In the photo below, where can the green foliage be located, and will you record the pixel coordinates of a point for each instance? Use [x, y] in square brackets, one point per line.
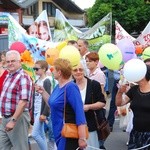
[133, 15]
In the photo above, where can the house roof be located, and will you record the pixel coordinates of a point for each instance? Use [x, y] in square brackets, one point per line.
[68, 6]
[24, 3]
[8, 5]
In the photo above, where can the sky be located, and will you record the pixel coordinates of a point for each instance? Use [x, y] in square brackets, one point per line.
[84, 3]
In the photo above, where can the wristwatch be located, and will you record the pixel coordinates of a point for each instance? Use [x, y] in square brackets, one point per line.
[13, 120]
[83, 139]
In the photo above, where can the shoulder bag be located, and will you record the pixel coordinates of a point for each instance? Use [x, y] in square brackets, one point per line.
[103, 128]
[70, 130]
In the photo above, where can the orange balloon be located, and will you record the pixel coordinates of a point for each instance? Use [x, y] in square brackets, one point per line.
[51, 55]
[139, 49]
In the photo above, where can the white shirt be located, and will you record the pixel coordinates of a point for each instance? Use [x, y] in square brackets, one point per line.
[38, 98]
[83, 94]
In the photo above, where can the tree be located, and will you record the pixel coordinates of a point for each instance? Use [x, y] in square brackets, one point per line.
[133, 15]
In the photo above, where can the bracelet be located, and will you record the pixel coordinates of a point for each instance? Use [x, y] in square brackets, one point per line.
[83, 139]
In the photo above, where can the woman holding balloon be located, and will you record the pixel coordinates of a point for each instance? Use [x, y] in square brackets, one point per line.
[139, 96]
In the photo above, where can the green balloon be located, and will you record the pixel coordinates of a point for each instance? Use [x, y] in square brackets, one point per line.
[146, 53]
[110, 56]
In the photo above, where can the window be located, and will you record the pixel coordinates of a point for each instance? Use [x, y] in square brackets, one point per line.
[50, 8]
[31, 10]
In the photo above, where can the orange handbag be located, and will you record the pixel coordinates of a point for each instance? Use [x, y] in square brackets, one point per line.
[70, 130]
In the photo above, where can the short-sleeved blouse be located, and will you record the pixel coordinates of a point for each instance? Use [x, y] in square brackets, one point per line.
[140, 105]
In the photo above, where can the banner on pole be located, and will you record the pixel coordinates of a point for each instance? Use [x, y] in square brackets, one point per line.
[99, 34]
[63, 30]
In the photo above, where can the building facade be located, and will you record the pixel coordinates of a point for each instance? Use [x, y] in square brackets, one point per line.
[26, 11]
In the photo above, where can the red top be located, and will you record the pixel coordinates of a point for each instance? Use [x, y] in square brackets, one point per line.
[2, 78]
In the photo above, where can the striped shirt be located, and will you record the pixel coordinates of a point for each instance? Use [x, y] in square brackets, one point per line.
[17, 86]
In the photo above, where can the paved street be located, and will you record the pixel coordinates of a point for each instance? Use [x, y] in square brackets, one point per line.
[117, 139]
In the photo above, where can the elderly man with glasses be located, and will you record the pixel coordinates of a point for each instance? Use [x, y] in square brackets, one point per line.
[15, 101]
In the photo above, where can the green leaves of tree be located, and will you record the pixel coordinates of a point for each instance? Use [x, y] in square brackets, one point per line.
[133, 15]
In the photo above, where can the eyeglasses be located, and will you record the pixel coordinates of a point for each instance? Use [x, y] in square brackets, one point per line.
[11, 61]
[36, 69]
[79, 69]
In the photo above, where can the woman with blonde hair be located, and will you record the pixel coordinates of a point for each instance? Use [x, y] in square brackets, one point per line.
[93, 100]
[66, 93]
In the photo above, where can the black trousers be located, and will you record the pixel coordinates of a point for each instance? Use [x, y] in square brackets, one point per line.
[71, 144]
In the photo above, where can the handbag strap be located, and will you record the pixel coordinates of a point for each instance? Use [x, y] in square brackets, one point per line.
[97, 124]
[64, 102]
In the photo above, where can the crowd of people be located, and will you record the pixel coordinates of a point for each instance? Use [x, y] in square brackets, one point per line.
[66, 95]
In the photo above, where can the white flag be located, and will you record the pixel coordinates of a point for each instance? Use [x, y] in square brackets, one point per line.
[120, 33]
[40, 28]
[63, 30]
[144, 37]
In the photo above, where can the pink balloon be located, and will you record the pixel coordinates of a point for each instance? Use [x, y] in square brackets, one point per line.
[18, 46]
[127, 49]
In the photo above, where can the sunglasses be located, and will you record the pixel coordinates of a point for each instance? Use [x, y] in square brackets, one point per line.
[88, 61]
[36, 69]
[78, 70]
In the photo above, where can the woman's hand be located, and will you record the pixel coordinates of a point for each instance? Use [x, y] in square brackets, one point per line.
[42, 118]
[123, 88]
[86, 108]
[82, 143]
[39, 89]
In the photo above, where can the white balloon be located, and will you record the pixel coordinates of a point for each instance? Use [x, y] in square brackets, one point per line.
[134, 70]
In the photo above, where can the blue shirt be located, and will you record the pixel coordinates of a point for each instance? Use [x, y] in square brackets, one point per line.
[56, 102]
[116, 75]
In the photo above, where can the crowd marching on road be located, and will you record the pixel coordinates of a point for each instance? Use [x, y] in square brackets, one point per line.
[33, 114]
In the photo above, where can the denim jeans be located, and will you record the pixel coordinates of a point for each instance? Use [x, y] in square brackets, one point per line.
[48, 128]
[106, 84]
[38, 133]
[113, 108]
